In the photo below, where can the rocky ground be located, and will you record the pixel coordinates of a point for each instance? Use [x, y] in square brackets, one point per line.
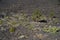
[29, 20]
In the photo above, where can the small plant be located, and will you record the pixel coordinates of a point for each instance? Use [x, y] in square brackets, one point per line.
[30, 26]
[7, 17]
[51, 29]
[11, 29]
[13, 23]
[36, 15]
[56, 20]
[1, 22]
[52, 13]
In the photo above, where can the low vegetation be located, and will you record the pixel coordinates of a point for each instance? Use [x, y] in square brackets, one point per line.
[11, 29]
[36, 15]
[52, 29]
[52, 14]
[1, 21]
[22, 20]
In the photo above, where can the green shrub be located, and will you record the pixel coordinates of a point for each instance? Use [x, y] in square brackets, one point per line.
[36, 15]
[51, 29]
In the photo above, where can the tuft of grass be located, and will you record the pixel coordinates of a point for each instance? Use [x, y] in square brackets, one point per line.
[36, 15]
[30, 26]
[51, 29]
[13, 23]
[56, 20]
[52, 13]
[11, 29]
[1, 22]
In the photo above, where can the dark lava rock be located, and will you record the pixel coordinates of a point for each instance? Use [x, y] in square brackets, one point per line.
[58, 31]
[44, 21]
[54, 16]
[1, 16]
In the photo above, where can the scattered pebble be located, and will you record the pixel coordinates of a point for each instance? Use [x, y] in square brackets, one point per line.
[22, 36]
[41, 36]
[37, 29]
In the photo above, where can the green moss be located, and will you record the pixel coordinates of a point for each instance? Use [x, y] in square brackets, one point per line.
[51, 29]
